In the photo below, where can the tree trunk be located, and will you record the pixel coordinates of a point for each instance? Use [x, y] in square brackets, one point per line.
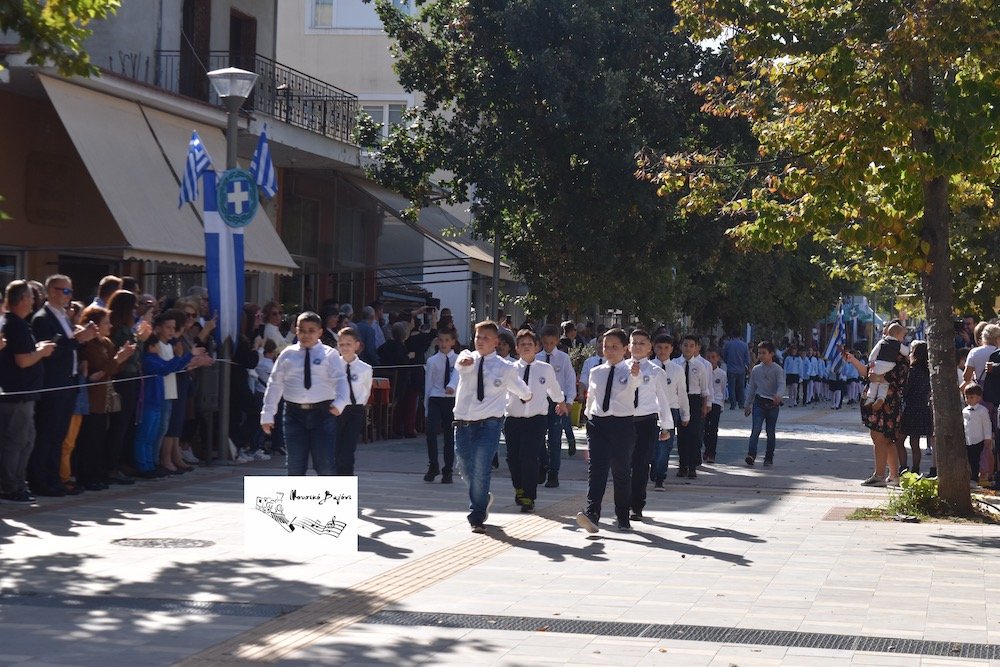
[949, 431]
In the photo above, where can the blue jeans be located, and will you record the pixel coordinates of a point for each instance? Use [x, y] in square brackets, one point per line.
[557, 424]
[475, 445]
[310, 433]
[764, 413]
[661, 453]
[737, 389]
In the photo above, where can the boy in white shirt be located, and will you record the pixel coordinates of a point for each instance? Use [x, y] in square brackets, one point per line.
[481, 386]
[978, 430]
[663, 348]
[439, 406]
[882, 360]
[653, 420]
[526, 421]
[589, 364]
[563, 367]
[359, 387]
[719, 382]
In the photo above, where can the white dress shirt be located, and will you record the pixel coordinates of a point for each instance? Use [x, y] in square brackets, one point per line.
[360, 381]
[588, 365]
[499, 377]
[434, 386]
[719, 382]
[563, 367]
[543, 383]
[622, 391]
[653, 398]
[698, 377]
[166, 352]
[329, 379]
[677, 388]
[977, 424]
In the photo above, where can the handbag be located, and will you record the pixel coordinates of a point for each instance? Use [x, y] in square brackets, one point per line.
[113, 402]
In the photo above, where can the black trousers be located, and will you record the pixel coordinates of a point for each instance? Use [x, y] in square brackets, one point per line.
[712, 430]
[689, 437]
[525, 437]
[90, 455]
[53, 412]
[647, 432]
[611, 441]
[121, 426]
[349, 425]
[440, 415]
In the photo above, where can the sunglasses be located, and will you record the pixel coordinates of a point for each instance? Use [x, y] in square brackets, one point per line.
[190, 315]
[65, 290]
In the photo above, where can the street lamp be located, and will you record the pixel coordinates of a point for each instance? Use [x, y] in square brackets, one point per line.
[233, 86]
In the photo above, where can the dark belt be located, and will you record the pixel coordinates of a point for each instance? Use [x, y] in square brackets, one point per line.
[322, 405]
[642, 418]
[463, 422]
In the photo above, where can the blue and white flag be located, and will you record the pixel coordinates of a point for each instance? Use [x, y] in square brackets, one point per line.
[223, 263]
[196, 163]
[832, 354]
[262, 168]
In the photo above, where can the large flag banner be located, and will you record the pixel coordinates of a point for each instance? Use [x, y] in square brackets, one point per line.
[832, 354]
[223, 260]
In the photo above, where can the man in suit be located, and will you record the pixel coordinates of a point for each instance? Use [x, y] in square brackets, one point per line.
[55, 404]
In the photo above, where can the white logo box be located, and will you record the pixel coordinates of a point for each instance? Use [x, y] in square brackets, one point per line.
[296, 516]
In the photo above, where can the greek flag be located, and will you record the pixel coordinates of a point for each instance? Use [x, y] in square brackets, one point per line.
[197, 162]
[262, 168]
[832, 354]
[223, 263]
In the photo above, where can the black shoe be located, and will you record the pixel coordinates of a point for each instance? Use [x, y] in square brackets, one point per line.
[768, 462]
[624, 527]
[147, 474]
[527, 505]
[431, 474]
[50, 492]
[72, 489]
[496, 462]
[749, 460]
[635, 516]
[446, 478]
[572, 448]
[553, 481]
[95, 486]
[478, 528]
[19, 497]
[692, 474]
[160, 471]
[658, 486]
[682, 472]
[119, 478]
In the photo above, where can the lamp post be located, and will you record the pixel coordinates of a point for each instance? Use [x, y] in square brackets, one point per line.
[233, 86]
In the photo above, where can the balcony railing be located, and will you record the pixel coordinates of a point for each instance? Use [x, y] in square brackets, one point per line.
[281, 92]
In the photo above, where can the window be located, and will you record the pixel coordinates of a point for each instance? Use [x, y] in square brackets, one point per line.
[300, 226]
[351, 237]
[322, 14]
[8, 270]
[387, 115]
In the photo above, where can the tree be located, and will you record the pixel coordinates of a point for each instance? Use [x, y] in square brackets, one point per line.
[53, 32]
[878, 124]
[535, 109]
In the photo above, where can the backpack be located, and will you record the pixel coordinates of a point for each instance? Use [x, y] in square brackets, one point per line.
[991, 381]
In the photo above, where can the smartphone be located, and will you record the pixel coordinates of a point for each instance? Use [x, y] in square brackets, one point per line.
[57, 338]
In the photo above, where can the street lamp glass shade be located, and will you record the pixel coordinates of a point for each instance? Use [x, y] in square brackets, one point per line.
[232, 82]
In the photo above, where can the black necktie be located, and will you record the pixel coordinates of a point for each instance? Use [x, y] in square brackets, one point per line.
[351, 386]
[663, 365]
[480, 385]
[687, 375]
[636, 403]
[548, 358]
[527, 373]
[447, 371]
[307, 379]
[606, 406]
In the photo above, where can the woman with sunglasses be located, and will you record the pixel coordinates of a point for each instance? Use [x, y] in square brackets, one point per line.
[272, 321]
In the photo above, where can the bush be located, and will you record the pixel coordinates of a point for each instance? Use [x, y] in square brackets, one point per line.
[917, 495]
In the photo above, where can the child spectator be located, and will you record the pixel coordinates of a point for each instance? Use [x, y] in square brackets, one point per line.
[767, 388]
[978, 430]
[719, 386]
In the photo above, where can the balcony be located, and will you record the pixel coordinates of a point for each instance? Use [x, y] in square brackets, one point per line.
[281, 92]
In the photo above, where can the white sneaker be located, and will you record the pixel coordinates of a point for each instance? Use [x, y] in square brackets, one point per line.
[188, 457]
[489, 504]
[243, 458]
[259, 455]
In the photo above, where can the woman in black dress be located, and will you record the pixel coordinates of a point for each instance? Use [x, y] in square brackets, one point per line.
[918, 417]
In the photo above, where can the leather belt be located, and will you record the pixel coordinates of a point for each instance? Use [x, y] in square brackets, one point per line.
[322, 405]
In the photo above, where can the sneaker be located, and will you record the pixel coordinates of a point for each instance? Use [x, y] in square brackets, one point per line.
[478, 528]
[119, 478]
[893, 482]
[709, 459]
[243, 458]
[658, 486]
[553, 481]
[572, 448]
[23, 496]
[259, 455]
[586, 522]
[489, 505]
[431, 473]
[446, 478]
[749, 460]
[692, 474]
[635, 516]
[527, 505]
[188, 457]
[768, 462]
[623, 527]
[682, 472]
[874, 480]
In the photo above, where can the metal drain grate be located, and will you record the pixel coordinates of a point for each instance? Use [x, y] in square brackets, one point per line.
[183, 607]
[163, 543]
[696, 633]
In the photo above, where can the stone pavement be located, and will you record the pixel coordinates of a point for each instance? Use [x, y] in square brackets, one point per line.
[743, 566]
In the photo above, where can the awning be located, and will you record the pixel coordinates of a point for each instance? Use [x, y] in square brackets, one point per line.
[432, 220]
[129, 150]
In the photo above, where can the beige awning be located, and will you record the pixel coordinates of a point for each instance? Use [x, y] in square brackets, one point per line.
[129, 151]
[432, 221]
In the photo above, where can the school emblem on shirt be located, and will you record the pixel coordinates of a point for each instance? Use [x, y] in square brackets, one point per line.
[718, 380]
[557, 369]
[541, 380]
[645, 379]
[623, 380]
[354, 377]
[670, 381]
[497, 382]
[317, 361]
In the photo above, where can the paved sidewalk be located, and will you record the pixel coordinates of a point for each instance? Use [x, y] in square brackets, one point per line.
[743, 566]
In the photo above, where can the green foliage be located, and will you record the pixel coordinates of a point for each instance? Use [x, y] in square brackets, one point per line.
[579, 354]
[54, 31]
[917, 496]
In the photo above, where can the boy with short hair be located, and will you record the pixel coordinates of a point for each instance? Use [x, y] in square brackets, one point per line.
[699, 398]
[767, 389]
[359, 387]
[663, 348]
[978, 430]
[653, 420]
[610, 432]
[563, 368]
[312, 379]
[791, 365]
[481, 386]
[439, 406]
[525, 424]
[719, 382]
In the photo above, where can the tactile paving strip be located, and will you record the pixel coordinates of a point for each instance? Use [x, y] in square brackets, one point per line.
[697, 633]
